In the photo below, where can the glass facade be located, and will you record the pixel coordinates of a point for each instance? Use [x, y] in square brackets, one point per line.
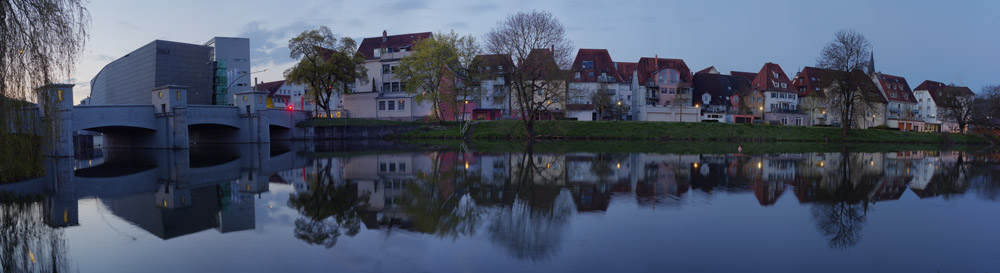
[221, 84]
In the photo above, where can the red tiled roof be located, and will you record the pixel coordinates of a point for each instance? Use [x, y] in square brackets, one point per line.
[748, 76]
[769, 74]
[812, 79]
[602, 63]
[494, 61]
[625, 71]
[707, 70]
[368, 45]
[896, 88]
[648, 66]
[937, 89]
[540, 63]
[269, 87]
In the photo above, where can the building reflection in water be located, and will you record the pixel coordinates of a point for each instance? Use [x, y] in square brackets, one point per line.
[522, 202]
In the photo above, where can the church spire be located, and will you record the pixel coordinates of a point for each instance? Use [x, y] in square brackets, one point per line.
[871, 64]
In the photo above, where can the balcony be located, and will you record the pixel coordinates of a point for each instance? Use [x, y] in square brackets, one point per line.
[785, 111]
[608, 79]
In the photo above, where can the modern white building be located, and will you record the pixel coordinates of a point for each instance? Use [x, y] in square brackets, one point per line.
[231, 59]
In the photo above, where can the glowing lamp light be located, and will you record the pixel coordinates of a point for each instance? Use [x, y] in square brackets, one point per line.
[760, 165]
[466, 165]
[289, 108]
[619, 165]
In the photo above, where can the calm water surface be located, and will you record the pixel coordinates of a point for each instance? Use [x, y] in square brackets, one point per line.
[383, 207]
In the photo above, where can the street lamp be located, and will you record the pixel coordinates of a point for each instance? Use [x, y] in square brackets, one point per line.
[240, 77]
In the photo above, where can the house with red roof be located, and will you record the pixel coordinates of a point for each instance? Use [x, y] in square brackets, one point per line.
[780, 99]
[812, 85]
[665, 87]
[902, 104]
[598, 91]
[384, 95]
[495, 102]
[285, 95]
[930, 97]
[720, 97]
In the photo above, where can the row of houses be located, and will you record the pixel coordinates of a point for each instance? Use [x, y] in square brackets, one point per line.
[650, 89]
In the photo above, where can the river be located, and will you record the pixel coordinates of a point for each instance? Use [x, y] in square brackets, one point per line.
[504, 207]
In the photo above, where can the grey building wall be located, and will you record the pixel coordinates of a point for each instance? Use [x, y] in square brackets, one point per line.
[130, 79]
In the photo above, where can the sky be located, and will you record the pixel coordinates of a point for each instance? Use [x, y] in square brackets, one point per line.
[946, 41]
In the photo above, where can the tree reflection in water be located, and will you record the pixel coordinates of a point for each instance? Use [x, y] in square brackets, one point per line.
[842, 201]
[329, 207]
[28, 245]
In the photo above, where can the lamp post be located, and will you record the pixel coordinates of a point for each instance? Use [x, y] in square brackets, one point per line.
[240, 77]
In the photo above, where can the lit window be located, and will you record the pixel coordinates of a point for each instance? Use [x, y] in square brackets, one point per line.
[402, 105]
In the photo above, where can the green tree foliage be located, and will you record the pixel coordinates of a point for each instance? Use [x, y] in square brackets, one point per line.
[327, 65]
[439, 72]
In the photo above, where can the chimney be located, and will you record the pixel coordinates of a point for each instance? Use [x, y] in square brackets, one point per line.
[552, 49]
[385, 35]
[254, 81]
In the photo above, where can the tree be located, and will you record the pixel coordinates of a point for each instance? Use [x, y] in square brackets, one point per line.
[327, 66]
[536, 43]
[850, 94]
[438, 71]
[988, 110]
[957, 104]
[40, 40]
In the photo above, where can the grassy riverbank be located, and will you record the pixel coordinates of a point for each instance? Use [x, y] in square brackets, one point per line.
[673, 131]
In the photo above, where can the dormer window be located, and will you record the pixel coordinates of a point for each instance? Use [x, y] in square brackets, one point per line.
[577, 75]
[588, 64]
[784, 85]
[775, 74]
[775, 84]
[378, 53]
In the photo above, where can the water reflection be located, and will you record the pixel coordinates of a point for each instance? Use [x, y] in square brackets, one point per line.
[522, 202]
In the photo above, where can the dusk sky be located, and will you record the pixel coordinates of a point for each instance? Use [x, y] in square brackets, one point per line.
[947, 41]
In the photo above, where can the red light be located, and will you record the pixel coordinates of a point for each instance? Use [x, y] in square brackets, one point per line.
[289, 108]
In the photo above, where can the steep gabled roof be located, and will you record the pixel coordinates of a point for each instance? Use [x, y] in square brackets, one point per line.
[540, 63]
[625, 71]
[748, 76]
[813, 80]
[601, 63]
[710, 69]
[494, 61]
[769, 74]
[896, 88]
[368, 45]
[718, 86]
[937, 90]
[269, 87]
[648, 66]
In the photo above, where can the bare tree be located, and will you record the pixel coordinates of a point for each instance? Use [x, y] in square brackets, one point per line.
[849, 94]
[536, 43]
[40, 40]
[957, 104]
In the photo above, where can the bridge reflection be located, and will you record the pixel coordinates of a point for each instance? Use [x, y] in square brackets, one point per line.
[169, 193]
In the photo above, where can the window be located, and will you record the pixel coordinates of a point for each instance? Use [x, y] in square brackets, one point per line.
[392, 69]
[381, 105]
[381, 167]
[402, 167]
[392, 105]
[775, 84]
[775, 74]
[392, 167]
[577, 75]
[784, 120]
[386, 87]
[773, 95]
[590, 74]
[671, 90]
[588, 64]
[784, 85]
[402, 105]
[385, 69]
[499, 67]
[664, 91]
[378, 53]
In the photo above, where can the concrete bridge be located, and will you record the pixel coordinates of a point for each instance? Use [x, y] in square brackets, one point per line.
[167, 123]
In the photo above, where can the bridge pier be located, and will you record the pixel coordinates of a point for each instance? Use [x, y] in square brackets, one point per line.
[55, 107]
[170, 103]
[252, 106]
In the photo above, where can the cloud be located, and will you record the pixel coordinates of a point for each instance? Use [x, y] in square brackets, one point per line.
[455, 25]
[270, 45]
[103, 57]
[404, 5]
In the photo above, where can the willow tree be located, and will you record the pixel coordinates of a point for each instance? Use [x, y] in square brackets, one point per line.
[327, 65]
[850, 95]
[438, 72]
[536, 42]
[40, 40]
